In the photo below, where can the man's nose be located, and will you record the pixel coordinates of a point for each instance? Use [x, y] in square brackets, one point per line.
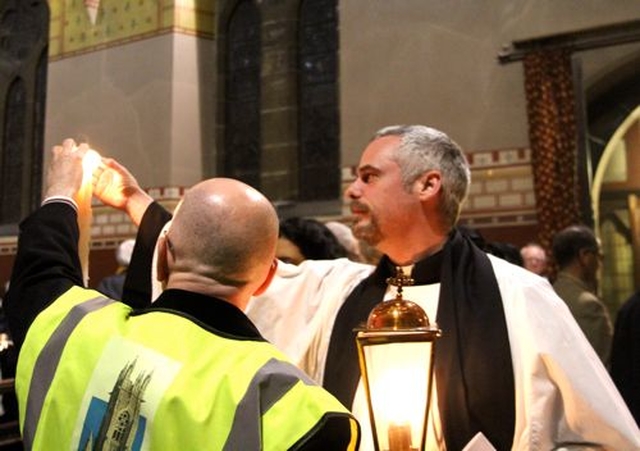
[353, 190]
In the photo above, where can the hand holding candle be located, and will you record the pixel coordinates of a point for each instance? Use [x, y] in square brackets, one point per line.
[64, 175]
[116, 187]
[70, 175]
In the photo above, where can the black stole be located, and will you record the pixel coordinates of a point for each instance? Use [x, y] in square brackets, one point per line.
[474, 372]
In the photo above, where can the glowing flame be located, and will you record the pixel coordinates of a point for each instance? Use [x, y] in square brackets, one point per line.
[90, 162]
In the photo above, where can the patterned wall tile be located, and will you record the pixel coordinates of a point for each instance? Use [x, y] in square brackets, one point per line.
[510, 200]
[496, 185]
[501, 195]
[484, 202]
[117, 22]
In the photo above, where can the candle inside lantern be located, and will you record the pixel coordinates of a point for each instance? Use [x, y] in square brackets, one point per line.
[90, 162]
[400, 437]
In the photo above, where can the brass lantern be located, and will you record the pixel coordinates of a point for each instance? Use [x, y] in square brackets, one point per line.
[396, 352]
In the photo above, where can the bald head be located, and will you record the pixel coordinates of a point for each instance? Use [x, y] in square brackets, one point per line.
[223, 230]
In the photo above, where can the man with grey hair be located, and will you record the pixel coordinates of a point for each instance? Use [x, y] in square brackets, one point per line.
[512, 369]
[534, 258]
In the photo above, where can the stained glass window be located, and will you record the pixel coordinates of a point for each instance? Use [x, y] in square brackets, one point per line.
[24, 34]
[242, 119]
[12, 154]
[319, 123]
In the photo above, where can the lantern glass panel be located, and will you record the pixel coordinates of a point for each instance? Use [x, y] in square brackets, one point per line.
[398, 379]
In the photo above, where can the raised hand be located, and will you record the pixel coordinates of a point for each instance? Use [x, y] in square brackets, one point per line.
[64, 174]
[115, 186]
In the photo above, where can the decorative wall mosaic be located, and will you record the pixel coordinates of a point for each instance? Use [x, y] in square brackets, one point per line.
[73, 31]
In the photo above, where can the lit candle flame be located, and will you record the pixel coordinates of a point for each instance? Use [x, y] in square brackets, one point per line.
[90, 162]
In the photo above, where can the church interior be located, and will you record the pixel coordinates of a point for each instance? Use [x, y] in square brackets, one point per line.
[284, 94]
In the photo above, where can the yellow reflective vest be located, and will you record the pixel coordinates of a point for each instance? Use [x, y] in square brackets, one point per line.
[93, 376]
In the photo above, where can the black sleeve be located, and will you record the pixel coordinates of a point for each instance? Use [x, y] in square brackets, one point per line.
[625, 354]
[137, 285]
[332, 433]
[46, 265]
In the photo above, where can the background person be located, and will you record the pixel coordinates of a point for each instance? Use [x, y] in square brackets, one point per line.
[505, 251]
[306, 238]
[188, 372]
[625, 354]
[577, 253]
[112, 285]
[345, 236]
[8, 358]
[534, 258]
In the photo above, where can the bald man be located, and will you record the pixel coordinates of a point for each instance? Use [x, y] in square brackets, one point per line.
[190, 371]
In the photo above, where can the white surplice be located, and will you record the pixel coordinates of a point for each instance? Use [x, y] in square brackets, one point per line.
[563, 392]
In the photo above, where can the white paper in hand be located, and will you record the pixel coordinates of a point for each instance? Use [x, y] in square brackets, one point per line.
[479, 443]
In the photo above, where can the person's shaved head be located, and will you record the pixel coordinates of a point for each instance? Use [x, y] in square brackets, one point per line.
[224, 230]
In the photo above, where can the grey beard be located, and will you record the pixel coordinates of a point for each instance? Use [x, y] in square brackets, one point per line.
[369, 233]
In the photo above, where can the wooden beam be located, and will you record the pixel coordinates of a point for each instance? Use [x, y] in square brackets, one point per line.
[575, 41]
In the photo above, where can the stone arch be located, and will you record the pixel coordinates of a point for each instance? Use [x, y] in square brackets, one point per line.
[24, 34]
[613, 122]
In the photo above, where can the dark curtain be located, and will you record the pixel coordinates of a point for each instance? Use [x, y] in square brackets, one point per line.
[553, 135]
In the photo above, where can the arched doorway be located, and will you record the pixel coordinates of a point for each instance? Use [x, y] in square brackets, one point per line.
[615, 198]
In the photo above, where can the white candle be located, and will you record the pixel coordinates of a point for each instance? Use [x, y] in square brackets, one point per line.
[400, 437]
[90, 162]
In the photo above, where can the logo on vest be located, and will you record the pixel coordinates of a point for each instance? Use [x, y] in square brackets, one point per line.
[122, 397]
[117, 424]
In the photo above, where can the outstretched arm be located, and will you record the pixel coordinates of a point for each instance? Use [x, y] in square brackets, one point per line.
[47, 262]
[115, 186]
[137, 289]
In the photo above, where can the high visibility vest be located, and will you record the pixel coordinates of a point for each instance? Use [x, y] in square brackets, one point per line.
[91, 374]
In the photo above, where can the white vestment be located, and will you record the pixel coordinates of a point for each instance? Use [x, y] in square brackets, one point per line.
[563, 392]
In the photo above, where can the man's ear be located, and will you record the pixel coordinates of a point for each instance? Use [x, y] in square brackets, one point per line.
[268, 279]
[584, 256]
[429, 184]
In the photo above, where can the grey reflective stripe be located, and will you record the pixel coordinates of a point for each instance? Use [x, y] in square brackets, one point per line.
[269, 384]
[47, 363]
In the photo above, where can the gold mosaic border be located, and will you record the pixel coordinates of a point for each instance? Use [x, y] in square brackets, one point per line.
[118, 22]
